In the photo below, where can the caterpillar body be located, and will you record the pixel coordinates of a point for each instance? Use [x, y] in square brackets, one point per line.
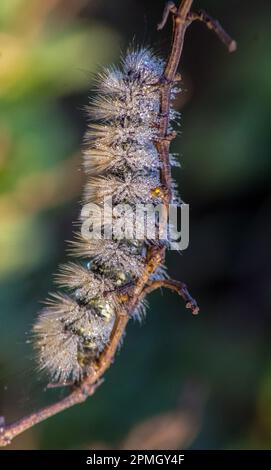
[121, 162]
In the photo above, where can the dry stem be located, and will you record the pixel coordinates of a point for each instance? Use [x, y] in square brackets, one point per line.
[182, 18]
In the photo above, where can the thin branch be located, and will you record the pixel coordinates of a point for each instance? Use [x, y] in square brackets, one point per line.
[215, 26]
[78, 395]
[180, 24]
[182, 18]
[177, 286]
[170, 7]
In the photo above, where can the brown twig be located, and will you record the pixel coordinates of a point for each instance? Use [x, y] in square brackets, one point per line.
[182, 18]
[177, 286]
[7, 433]
[215, 26]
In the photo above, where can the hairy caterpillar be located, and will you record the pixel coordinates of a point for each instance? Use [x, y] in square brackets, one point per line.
[121, 162]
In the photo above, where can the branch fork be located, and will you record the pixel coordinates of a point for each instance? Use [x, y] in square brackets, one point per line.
[182, 18]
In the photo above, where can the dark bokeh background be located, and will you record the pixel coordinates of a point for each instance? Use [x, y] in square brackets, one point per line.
[179, 381]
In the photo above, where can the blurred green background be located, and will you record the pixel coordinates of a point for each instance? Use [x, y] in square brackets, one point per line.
[179, 381]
